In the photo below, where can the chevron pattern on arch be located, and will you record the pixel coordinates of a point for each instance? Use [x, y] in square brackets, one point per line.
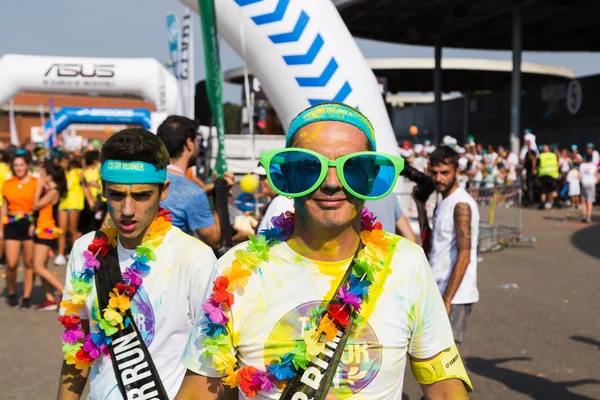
[321, 77]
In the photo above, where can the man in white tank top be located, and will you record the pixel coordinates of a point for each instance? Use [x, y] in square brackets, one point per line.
[453, 256]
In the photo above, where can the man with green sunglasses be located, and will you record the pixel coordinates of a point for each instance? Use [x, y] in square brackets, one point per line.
[324, 304]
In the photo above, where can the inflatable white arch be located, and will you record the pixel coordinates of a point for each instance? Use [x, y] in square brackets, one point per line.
[302, 53]
[144, 77]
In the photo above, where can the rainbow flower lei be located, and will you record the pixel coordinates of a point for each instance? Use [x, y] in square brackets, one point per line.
[250, 380]
[81, 350]
[55, 231]
[16, 218]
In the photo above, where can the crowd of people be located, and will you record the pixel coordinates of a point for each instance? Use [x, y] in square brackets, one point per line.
[48, 199]
[550, 175]
[125, 217]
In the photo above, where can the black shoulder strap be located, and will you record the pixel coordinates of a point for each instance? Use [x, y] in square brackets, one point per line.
[136, 374]
[314, 382]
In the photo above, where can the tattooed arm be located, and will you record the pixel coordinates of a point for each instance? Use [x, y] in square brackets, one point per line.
[462, 228]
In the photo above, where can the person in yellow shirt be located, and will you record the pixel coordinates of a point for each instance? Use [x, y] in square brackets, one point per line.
[91, 216]
[548, 173]
[69, 208]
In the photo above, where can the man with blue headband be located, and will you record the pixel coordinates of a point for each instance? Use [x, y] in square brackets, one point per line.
[325, 304]
[133, 289]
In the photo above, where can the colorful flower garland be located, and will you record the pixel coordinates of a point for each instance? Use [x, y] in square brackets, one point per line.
[81, 350]
[16, 218]
[55, 232]
[322, 319]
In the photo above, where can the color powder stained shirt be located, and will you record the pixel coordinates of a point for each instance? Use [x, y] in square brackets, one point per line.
[407, 317]
[188, 204]
[164, 307]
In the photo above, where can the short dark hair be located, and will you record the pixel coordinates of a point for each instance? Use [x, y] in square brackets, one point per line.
[136, 144]
[175, 131]
[24, 154]
[444, 155]
[91, 156]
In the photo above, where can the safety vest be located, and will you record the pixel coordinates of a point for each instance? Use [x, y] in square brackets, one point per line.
[548, 165]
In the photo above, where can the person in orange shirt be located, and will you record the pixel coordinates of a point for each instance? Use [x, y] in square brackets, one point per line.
[52, 186]
[17, 208]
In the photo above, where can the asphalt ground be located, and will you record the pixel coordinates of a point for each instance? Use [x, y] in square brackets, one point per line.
[535, 334]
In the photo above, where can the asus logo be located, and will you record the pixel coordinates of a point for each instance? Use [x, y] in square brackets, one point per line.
[82, 70]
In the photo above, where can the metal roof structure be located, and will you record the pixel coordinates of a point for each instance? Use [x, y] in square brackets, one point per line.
[458, 74]
[548, 25]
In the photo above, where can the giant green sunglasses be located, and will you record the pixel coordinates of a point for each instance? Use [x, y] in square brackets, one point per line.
[296, 172]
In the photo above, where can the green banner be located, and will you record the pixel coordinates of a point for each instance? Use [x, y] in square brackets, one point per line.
[213, 77]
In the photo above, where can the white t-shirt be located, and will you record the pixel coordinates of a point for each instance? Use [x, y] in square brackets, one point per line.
[476, 168]
[595, 157]
[164, 308]
[573, 181]
[277, 206]
[588, 173]
[420, 163]
[443, 248]
[463, 162]
[564, 164]
[267, 320]
[512, 162]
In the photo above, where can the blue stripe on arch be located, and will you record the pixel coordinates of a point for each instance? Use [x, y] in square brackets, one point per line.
[339, 97]
[323, 79]
[309, 57]
[243, 3]
[275, 16]
[295, 34]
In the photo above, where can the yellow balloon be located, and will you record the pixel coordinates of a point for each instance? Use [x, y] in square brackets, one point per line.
[249, 183]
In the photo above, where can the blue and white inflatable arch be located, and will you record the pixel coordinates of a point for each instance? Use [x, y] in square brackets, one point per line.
[303, 54]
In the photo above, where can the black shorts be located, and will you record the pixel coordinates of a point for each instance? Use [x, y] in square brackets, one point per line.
[548, 184]
[52, 243]
[17, 230]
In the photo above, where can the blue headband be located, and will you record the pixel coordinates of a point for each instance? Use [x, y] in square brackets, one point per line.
[332, 112]
[132, 172]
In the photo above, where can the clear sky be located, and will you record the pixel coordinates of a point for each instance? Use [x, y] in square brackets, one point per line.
[137, 28]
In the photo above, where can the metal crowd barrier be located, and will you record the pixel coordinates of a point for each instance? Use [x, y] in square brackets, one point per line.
[500, 215]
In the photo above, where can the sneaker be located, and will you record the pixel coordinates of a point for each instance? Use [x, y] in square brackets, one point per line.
[47, 306]
[60, 260]
[12, 300]
[25, 303]
[547, 206]
[588, 220]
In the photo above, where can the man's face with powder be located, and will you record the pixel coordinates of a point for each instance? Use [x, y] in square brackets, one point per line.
[330, 205]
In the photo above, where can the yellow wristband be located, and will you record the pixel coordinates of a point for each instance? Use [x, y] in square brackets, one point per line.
[447, 365]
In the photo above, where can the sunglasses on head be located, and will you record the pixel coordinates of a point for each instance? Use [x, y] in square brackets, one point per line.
[295, 172]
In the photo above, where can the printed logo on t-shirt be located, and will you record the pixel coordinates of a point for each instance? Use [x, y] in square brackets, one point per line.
[142, 312]
[360, 361]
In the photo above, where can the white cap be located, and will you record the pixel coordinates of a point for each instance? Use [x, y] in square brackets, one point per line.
[418, 148]
[460, 150]
[406, 153]
[530, 137]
